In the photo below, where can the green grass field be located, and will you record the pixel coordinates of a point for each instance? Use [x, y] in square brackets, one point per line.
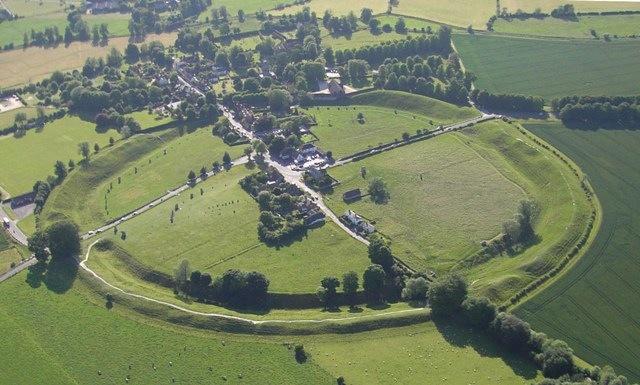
[9, 253]
[361, 38]
[416, 104]
[387, 117]
[156, 172]
[148, 120]
[7, 118]
[621, 25]
[421, 354]
[80, 330]
[13, 31]
[596, 304]
[29, 8]
[30, 158]
[460, 13]
[339, 131]
[150, 351]
[551, 68]
[217, 231]
[471, 183]
[445, 199]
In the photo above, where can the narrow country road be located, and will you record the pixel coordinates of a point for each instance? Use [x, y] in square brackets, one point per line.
[17, 234]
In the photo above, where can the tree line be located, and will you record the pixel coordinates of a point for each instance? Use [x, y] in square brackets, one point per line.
[450, 300]
[234, 287]
[601, 111]
[507, 102]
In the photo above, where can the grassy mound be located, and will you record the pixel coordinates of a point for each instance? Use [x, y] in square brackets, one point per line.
[417, 104]
[133, 174]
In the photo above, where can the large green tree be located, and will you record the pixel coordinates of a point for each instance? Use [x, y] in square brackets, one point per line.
[64, 240]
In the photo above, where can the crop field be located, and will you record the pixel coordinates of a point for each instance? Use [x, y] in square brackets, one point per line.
[460, 13]
[139, 348]
[13, 31]
[444, 200]
[221, 228]
[444, 353]
[32, 157]
[145, 170]
[621, 25]
[20, 66]
[411, 22]
[29, 8]
[596, 304]
[360, 39]
[554, 68]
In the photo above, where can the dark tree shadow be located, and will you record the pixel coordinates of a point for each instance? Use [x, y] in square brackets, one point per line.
[60, 275]
[35, 274]
[458, 334]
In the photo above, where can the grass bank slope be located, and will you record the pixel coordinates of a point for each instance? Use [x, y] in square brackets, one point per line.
[595, 305]
[426, 353]
[32, 157]
[132, 174]
[451, 192]
[217, 231]
[417, 104]
[551, 68]
[74, 339]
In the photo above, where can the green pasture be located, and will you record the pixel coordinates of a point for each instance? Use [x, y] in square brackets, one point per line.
[28, 224]
[451, 192]
[64, 332]
[339, 130]
[620, 25]
[596, 304]
[9, 253]
[551, 68]
[563, 209]
[13, 31]
[7, 118]
[247, 43]
[217, 231]
[149, 120]
[445, 199]
[162, 162]
[361, 38]
[416, 104]
[426, 353]
[28, 8]
[32, 157]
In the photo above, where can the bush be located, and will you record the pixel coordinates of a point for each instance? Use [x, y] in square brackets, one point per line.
[479, 312]
[512, 331]
[446, 295]
[415, 289]
[300, 353]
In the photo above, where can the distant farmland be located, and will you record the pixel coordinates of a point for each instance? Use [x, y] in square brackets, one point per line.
[551, 68]
[595, 307]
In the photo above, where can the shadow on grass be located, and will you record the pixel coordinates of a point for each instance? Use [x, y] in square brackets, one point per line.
[58, 275]
[458, 334]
